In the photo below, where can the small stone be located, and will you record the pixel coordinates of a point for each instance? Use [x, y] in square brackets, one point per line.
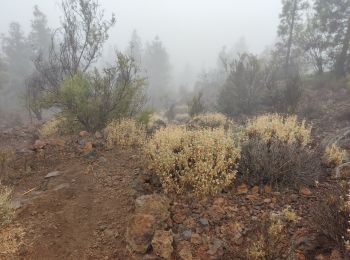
[252, 197]
[87, 147]
[196, 239]
[83, 134]
[255, 190]
[39, 145]
[305, 191]
[179, 217]
[98, 135]
[81, 142]
[162, 243]
[215, 247]
[267, 189]
[187, 234]
[242, 189]
[219, 202]
[267, 201]
[184, 250]
[204, 221]
[293, 197]
[102, 159]
[53, 174]
[189, 222]
[16, 204]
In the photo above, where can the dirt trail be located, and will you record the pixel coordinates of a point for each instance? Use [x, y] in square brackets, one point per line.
[80, 214]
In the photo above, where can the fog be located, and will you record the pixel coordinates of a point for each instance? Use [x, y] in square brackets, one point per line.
[193, 32]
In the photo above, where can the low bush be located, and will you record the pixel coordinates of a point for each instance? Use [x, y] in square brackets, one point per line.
[272, 236]
[333, 156]
[51, 127]
[125, 132]
[286, 129]
[277, 163]
[210, 121]
[197, 162]
[6, 211]
[331, 215]
[59, 125]
[195, 106]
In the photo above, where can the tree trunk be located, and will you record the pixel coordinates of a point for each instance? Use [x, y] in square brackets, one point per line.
[340, 64]
[291, 31]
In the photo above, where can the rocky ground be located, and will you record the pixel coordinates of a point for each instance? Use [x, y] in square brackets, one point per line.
[74, 199]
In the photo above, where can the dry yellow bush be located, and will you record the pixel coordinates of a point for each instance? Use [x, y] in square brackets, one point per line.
[51, 127]
[59, 125]
[5, 157]
[333, 156]
[210, 121]
[6, 211]
[200, 162]
[125, 132]
[286, 129]
[272, 239]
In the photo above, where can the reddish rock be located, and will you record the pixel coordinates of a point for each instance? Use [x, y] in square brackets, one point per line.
[39, 144]
[184, 250]
[252, 197]
[196, 239]
[242, 189]
[179, 217]
[267, 189]
[162, 243]
[219, 202]
[139, 232]
[88, 147]
[255, 190]
[305, 191]
[83, 134]
[155, 205]
[267, 201]
[189, 222]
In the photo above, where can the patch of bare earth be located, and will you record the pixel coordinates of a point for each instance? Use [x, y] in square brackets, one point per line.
[80, 213]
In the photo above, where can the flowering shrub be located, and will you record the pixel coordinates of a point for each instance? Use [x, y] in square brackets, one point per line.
[333, 156]
[200, 162]
[125, 132]
[286, 129]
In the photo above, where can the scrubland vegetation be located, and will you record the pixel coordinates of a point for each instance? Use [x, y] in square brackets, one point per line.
[247, 125]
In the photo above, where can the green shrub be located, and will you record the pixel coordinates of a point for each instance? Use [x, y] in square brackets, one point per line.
[195, 106]
[96, 98]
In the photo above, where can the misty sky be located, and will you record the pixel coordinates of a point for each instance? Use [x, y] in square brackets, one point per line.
[193, 31]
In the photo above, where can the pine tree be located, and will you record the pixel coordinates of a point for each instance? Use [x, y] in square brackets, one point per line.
[290, 28]
[40, 35]
[157, 66]
[334, 19]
